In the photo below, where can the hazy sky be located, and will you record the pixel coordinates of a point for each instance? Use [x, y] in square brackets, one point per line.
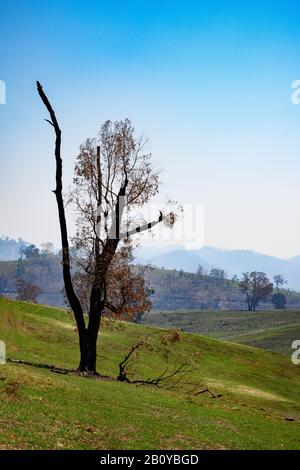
[208, 81]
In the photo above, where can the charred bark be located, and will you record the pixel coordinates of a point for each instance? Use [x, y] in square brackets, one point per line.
[72, 298]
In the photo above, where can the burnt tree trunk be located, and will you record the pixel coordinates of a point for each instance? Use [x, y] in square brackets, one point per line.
[98, 299]
[72, 297]
[88, 357]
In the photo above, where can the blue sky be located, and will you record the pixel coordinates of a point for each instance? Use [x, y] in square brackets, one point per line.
[208, 82]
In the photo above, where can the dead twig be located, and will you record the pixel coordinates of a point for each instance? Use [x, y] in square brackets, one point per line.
[206, 390]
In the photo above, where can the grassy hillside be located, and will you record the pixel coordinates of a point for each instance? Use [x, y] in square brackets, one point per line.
[274, 330]
[259, 409]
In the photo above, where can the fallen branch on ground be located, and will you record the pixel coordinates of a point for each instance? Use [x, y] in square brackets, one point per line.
[60, 370]
[168, 380]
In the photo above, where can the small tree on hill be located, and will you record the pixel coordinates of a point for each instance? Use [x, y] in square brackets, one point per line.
[257, 287]
[47, 249]
[279, 281]
[31, 251]
[200, 270]
[27, 291]
[217, 273]
[279, 301]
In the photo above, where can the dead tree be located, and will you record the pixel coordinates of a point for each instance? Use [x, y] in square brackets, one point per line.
[113, 178]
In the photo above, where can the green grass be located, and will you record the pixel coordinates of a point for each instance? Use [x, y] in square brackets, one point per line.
[40, 409]
[274, 330]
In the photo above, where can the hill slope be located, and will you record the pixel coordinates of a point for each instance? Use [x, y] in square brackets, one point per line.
[273, 330]
[41, 409]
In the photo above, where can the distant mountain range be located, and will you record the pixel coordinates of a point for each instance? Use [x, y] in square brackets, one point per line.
[234, 262]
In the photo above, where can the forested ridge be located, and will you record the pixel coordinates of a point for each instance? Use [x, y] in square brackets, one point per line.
[172, 290]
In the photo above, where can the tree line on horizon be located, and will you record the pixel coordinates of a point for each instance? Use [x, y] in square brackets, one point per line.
[37, 268]
[255, 285]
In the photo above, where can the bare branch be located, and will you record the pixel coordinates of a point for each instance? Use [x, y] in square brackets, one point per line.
[142, 228]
